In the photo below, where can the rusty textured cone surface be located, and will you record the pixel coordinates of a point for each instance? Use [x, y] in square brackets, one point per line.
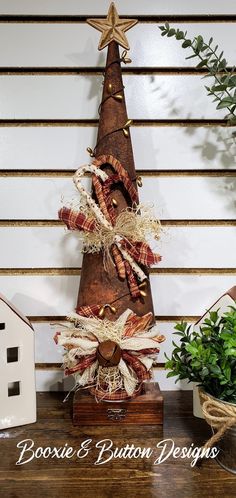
[98, 286]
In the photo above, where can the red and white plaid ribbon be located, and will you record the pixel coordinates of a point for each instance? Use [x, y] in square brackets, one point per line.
[139, 345]
[127, 255]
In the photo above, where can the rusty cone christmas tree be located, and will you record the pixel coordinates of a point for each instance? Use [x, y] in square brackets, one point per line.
[111, 342]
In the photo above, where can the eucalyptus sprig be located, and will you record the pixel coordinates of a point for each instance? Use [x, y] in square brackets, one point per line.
[223, 88]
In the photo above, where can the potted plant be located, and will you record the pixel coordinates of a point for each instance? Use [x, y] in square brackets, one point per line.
[208, 357]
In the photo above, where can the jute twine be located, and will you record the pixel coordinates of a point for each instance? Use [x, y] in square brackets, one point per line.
[130, 225]
[120, 395]
[219, 416]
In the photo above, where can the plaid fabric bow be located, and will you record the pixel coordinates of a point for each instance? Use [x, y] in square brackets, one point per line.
[138, 341]
[127, 255]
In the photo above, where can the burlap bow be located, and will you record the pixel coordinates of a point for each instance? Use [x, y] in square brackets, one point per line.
[121, 237]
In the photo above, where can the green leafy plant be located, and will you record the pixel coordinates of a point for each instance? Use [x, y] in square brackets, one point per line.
[212, 60]
[207, 356]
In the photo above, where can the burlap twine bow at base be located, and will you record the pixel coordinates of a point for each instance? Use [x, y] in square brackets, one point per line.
[218, 414]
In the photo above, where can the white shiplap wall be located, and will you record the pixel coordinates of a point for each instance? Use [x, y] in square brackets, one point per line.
[50, 87]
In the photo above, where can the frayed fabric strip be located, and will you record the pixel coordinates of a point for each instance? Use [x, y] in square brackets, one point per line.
[138, 343]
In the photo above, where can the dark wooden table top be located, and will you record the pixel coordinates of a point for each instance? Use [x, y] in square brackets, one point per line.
[124, 477]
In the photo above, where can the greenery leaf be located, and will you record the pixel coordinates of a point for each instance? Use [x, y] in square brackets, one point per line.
[218, 88]
[225, 102]
[223, 88]
[171, 32]
[186, 43]
[202, 63]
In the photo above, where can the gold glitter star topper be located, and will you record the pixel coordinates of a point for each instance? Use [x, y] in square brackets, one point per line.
[113, 28]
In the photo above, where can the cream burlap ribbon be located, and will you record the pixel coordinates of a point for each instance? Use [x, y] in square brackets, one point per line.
[129, 224]
[219, 416]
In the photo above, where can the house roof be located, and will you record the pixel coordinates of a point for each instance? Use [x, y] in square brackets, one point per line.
[231, 293]
[16, 311]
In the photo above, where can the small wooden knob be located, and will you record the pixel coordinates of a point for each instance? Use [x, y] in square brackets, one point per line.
[108, 353]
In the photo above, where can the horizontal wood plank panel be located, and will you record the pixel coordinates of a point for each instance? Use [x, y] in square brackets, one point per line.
[65, 148]
[164, 318]
[68, 173]
[56, 272]
[75, 45]
[172, 198]
[191, 123]
[132, 7]
[181, 247]
[172, 294]
[166, 223]
[78, 97]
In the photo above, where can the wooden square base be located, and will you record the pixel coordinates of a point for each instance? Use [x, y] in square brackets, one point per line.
[145, 409]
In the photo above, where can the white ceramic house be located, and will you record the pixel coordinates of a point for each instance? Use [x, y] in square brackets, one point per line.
[17, 370]
[222, 304]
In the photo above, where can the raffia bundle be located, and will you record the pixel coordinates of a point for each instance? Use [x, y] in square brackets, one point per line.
[130, 224]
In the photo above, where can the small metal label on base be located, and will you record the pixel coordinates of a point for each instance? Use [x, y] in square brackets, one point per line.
[116, 413]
